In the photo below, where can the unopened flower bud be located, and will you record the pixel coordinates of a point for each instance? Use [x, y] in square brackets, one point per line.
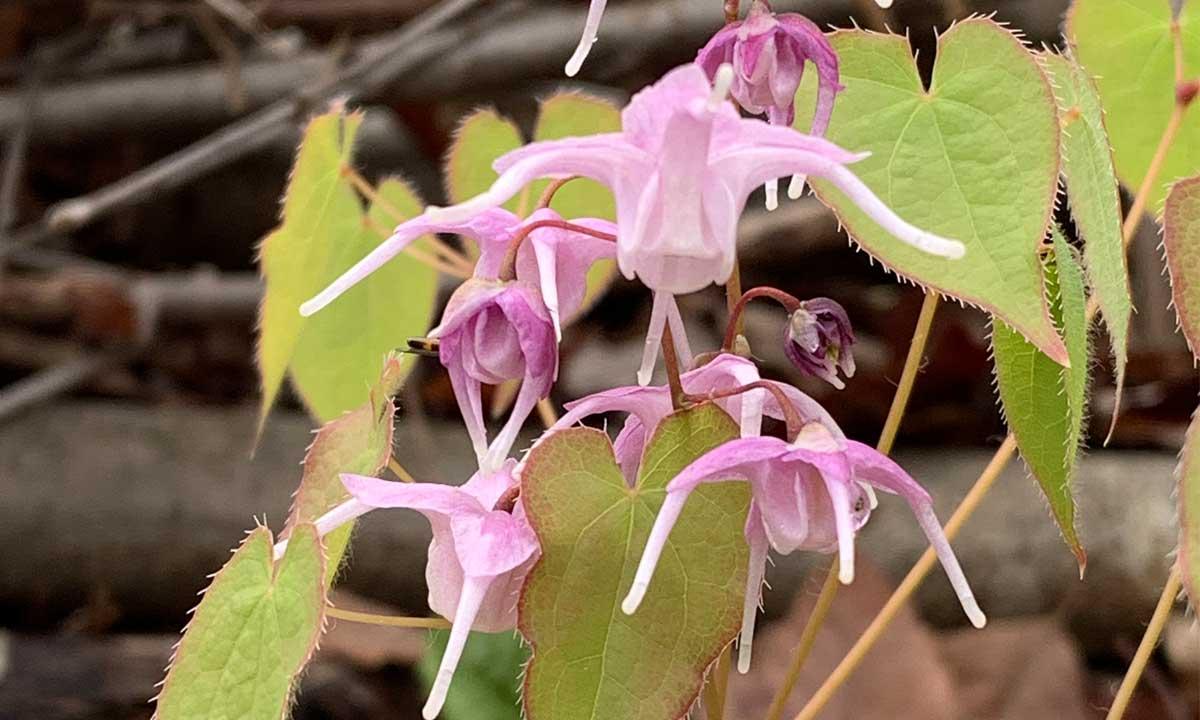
[819, 340]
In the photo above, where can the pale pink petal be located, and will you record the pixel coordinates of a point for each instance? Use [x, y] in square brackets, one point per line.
[809, 410]
[604, 158]
[843, 515]
[734, 460]
[668, 514]
[628, 447]
[748, 168]
[331, 521]
[880, 471]
[756, 569]
[683, 348]
[590, 28]
[492, 543]
[473, 591]
[470, 405]
[426, 498]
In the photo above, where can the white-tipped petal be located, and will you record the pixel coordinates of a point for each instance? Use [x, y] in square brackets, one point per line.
[683, 347]
[469, 600]
[331, 521]
[885, 4]
[796, 187]
[590, 29]
[878, 211]
[937, 539]
[667, 515]
[754, 578]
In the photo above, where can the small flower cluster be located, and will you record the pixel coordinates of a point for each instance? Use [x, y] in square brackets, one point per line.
[681, 169]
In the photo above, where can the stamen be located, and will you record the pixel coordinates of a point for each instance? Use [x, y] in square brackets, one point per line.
[654, 334]
[937, 538]
[590, 28]
[721, 84]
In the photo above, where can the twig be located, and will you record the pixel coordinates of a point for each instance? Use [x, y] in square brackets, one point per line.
[411, 45]
[51, 382]
[386, 620]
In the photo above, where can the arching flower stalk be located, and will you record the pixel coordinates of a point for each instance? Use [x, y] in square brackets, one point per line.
[681, 170]
[767, 53]
[503, 323]
[808, 494]
[482, 548]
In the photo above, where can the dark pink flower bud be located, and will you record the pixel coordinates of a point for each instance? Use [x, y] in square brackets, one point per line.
[819, 340]
[494, 331]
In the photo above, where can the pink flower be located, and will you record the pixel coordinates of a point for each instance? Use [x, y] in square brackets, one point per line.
[590, 27]
[681, 171]
[647, 406]
[491, 332]
[767, 53]
[810, 494]
[494, 330]
[482, 549]
[819, 340]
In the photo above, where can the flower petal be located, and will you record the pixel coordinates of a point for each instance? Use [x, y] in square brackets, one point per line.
[668, 514]
[469, 601]
[590, 28]
[756, 570]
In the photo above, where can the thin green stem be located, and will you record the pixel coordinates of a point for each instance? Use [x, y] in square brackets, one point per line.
[1162, 613]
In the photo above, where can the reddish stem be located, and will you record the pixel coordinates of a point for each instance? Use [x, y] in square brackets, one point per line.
[548, 195]
[788, 301]
[508, 267]
[790, 416]
[671, 360]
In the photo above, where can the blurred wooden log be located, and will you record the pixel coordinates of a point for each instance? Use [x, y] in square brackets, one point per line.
[140, 503]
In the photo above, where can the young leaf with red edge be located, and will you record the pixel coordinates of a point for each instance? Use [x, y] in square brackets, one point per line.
[1181, 242]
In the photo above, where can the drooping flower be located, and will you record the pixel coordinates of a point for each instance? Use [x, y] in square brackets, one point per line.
[495, 329]
[767, 53]
[819, 340]
[809, 494]
[647, 406]
[482, 548]
[590, 28]
[681, 171]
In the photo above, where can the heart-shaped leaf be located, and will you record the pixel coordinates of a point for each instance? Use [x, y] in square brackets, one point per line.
[358, 442]
[1181, 240]
[254, 630]
[590, 660]
[1046, 404]
[1087, 166]
[1127, 46]
[481, 138]
[973, 158]
[335, 356]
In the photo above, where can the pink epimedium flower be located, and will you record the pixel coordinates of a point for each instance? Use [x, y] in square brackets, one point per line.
[494, 330]
[767, 53]
[681, 171]
[809, 494]
[482, 549]
[647, 406]
[819, 340]
[590, 28]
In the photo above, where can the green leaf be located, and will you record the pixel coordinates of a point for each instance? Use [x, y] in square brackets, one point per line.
[1046, 404]
[1091, 180]
[487, 680]
[342, 348]
[1188, 476]
[482, 137]
[336, 355]
[358, 442]
[1181, 240]
[1127, 46]
[975, 158]
[590, 660]
[254, 630]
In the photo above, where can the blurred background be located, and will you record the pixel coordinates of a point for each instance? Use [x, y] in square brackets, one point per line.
[145, 145]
